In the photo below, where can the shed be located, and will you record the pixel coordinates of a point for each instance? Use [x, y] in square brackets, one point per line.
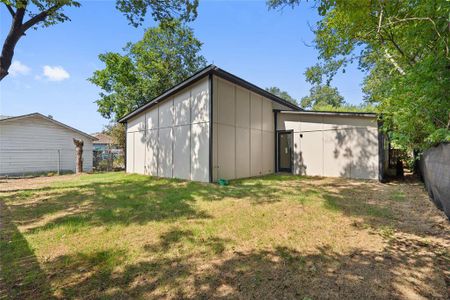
[35, 143]
[216, 125]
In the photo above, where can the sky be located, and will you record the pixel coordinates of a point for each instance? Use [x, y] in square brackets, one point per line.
[266, 47]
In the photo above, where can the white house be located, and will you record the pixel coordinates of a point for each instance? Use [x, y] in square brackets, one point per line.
[35, 143]
[216, 125]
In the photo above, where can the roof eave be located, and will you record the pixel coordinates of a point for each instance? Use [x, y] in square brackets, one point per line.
[331, 113]
[194, 78]
[211, 69]
[36, 114]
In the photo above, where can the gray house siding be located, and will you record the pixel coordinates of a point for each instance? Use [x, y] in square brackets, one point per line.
[215, 125]
[243, 132]
[333, 145]
[34, 144]
[171, 139]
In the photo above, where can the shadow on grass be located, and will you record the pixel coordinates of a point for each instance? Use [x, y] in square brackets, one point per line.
[127, 200]
[281, 273]
[20, 274]
[182, 265]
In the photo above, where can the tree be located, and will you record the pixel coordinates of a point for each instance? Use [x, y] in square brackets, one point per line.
[403, 47]
[322, 95]
[282, 94]
[117, 132]
[50, 12]
[164, 57]
[79, 151]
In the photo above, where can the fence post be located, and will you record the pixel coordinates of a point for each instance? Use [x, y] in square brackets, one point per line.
[59, 161]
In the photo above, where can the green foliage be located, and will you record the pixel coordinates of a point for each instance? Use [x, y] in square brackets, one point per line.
[322, 95]
[347, 108]
[282, 94]
[161, 10]
[117, 132]
[403, 46]
[53, 10]
[134, 10]
[164, 57]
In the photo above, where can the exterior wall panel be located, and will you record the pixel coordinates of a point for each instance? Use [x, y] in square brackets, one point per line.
[256, 152]
[182, 152]
[309, 161]
[268, 146]
[365, 149]
[171, 139]
[226, 102]
[130, 152]
[226, 144]
[151, 153]
[338, 152]
[242, 108]
[336, 146]
[165, 142]
[182, 108]
[200, 102]
[152, 119]
[256, 111]
[200, 152]
[136, 124]
[242, 152]
[166, 114]
[267, 115]
[244, 142]
[139, 152]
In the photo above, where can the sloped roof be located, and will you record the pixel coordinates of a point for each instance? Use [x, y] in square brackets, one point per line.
[36, 114]
[102, 138]
[211, 69]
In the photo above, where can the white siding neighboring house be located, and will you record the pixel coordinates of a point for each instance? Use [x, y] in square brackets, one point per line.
[216, 125]
[36, 143]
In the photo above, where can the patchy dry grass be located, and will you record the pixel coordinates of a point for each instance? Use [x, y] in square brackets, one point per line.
[117, 235]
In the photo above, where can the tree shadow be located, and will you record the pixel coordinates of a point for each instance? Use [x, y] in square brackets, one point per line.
[182, 264]
[21, 276]
[279, 273]
[132, 200]
[357, 147]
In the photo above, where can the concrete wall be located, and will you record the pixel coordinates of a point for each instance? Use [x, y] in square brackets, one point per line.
[30, 145]
[335, 146]
[243, 132]
[171, 139]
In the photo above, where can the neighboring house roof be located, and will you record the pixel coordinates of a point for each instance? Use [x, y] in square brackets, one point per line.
[214, 70]
[102, 138]
[16, 118]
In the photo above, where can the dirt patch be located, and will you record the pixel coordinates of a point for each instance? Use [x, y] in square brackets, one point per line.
[20, 184]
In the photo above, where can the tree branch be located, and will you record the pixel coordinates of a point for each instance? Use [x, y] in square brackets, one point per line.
[11, 40]
[10, 9]
[40, 17]
[394, 63]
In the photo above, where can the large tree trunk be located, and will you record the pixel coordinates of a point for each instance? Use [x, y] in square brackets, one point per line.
[79, 149]
[17, 30]
[15, 33]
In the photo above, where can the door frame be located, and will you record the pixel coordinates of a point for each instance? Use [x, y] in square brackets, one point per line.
[279, 132]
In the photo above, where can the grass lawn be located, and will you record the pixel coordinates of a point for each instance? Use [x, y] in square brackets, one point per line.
[117, 235]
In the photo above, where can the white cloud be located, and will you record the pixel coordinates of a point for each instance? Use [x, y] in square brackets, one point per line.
[18, 68]
[56, 73]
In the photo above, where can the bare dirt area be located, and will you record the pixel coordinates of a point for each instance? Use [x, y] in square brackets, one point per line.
[122, 236]
[17, 184]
